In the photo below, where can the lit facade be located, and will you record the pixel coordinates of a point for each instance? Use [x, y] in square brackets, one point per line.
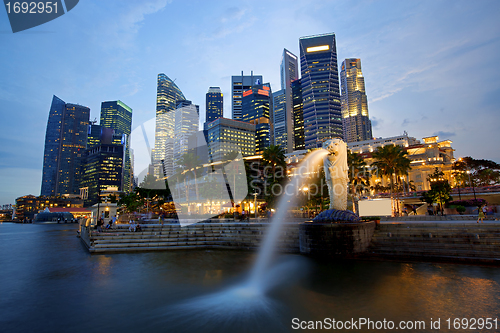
[256, 107]
[118, 116]
[425, 157]
[298, 117]
[354, 104]
[225, 134]
[239, 84]
[289, 70]
[167, 96]
[103, 165]
[186, 124]
[65, 143]
[280, 121]
[214, 104]
[320, 89]
[29, 205]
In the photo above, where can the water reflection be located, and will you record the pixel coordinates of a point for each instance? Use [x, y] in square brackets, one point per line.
[48, 277]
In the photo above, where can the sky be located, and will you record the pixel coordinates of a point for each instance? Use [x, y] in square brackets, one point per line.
[430, 67]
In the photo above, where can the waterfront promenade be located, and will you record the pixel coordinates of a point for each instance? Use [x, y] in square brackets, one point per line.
[428, 238]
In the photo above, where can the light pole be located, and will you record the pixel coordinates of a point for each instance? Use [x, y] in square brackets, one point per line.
[305, 189]
[473, 188]
[255, 203]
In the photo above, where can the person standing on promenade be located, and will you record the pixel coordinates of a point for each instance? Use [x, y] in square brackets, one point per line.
[481, 211]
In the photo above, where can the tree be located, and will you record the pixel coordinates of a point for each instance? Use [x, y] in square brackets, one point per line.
[358, 178]
[482, 172]
[274, 156]
[391, 160]
[440, 190]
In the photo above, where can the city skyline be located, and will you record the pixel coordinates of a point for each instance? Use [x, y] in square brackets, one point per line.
[412, 86]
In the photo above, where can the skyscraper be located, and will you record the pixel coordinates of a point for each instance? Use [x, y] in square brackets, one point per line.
[168, 94]
[239, 84]
[279, 120]
[289, 73]
[103, 165]
[256, 107]
[65, 143]
[186, 124]
[214, 104]
[118, 116]
[357, 126]
[226, 134]
[298, 119]
[320, 89]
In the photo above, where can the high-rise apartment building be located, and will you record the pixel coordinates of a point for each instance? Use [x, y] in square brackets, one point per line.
[357, 126]
[289, 70]
[298, 119]
[239, 84]
[320, 89]
[168, 94]
[214, 104]
[65, 143]
[118, 116]
[279, 120]
[256, 109]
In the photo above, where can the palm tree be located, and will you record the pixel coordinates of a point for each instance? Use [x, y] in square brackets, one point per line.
[357, 174]
[391, 161]
[274, 156]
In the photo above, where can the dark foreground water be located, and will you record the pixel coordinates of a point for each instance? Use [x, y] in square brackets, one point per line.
[49, 283]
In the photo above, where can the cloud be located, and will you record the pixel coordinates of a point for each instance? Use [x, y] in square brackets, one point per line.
[444, 135]
[405, 122]
[232, 13]
[375, 122]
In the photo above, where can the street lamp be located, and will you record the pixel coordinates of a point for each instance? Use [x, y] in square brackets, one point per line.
[305, 189]
[255, 203]
[473, 188]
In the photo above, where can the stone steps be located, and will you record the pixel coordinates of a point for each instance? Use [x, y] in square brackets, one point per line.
[156, 237]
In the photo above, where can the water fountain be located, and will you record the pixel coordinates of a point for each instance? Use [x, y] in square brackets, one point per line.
[249, 298]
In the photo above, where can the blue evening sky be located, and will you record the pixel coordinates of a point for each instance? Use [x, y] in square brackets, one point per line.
[431, 67]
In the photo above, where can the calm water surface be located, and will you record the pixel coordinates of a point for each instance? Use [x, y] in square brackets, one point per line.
[49, 283]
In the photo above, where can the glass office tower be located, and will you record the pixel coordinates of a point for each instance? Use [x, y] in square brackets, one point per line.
[65, 143]
[320, 89]
[289, 69]
[280, 119]
[214, 104]
[256, 105]
[118, 116]
[357, 125]
[298, 119]
[168, 94]
[239, 84]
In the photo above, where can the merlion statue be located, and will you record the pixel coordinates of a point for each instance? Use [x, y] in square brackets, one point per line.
[336, 172]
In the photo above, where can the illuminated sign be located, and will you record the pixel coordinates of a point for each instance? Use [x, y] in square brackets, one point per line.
[263, 92]
[318, 48]
[246, 93]
[265, 88]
